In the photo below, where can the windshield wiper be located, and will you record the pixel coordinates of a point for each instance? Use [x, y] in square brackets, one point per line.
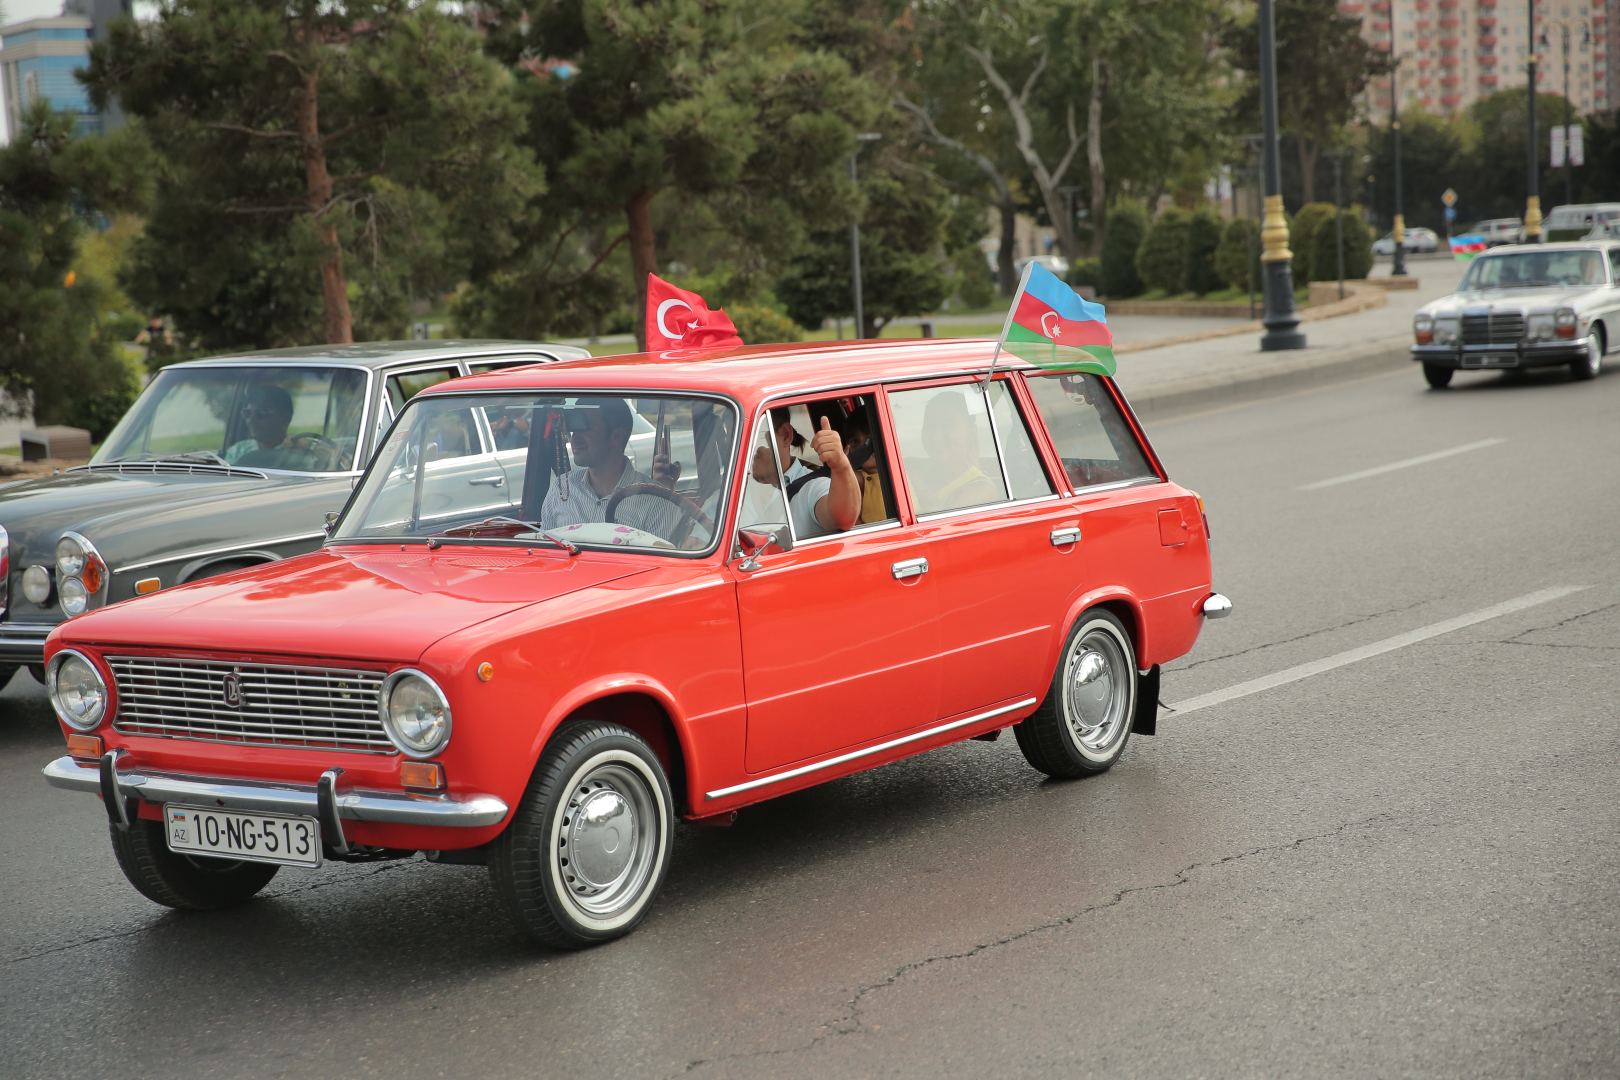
[207, 457]
[502, 519]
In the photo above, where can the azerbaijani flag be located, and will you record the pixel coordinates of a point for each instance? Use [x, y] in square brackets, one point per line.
[1052, 326]
[1466, 247]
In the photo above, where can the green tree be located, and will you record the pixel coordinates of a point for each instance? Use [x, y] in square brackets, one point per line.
[1161, 262]
[323, 161]
[54, 354]
[672, 112]
[902, 271]
[1494, 179]
[1127, 225]
[1434, 156]
[1323, 66]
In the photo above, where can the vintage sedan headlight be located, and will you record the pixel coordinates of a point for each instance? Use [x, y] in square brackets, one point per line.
[415, 713]
[36, 585]
[1423, 329]
[69, 557]
[1539, 327]
[80, 574]
[74, 597]
[76, 689]
[1565, 323]
[1447, 331]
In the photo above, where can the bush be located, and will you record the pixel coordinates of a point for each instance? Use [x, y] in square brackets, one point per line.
[115, 379]
[1237, 259]
[1357, 249]
[1161, 261]
[760, 325]
[1203, 237]
[1086, 272]
[1302, 237]
[975, 282]
[1127, 224]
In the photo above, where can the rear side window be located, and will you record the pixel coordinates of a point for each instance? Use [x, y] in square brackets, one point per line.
[1091, 435]
[948, 449]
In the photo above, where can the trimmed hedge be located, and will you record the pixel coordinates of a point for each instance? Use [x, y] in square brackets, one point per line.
[1237, 259]
[1161, 261]
[1357, 248]
[1302, 237]
[1127, 224]
[1203, 238]
[760, 325]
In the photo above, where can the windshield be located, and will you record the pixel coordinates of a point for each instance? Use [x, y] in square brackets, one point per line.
[300, 419]
[1533, 268]
[571, 470]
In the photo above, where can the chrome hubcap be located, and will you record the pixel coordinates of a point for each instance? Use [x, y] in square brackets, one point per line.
[1096, 692]
[606, 843]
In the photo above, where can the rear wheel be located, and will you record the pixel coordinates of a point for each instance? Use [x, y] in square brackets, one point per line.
[588, 847]
[1588, 366]
[1439, 377]
[1082, 726]
[187, 882]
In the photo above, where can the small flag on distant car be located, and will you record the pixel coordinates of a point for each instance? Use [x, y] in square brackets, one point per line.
[1052, 326]
[679, 319]
[1466, 247]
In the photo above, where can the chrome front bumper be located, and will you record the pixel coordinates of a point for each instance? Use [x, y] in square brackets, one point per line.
[24, 643]
[322, 800]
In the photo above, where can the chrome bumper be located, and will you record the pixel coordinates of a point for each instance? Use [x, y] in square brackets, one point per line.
[1217, 606]
[24, 643]
[322, 800]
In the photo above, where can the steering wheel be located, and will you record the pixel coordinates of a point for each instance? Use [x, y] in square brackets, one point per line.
[314, 443]
[691, 512]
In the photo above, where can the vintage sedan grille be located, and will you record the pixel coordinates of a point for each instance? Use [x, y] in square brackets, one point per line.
[1497, 328]
[256, 704]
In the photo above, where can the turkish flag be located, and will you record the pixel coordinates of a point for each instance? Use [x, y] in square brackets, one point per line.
[677, 319]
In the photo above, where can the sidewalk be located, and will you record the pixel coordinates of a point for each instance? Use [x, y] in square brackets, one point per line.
[1182, 375]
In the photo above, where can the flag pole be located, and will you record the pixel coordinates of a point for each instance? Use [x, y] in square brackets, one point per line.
[1006, 325]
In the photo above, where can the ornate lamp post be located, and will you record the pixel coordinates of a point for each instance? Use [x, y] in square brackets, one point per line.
[1282, 325]
[1532, 200]
[1397, 230]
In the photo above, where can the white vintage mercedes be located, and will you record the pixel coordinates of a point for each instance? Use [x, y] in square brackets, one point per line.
[1525, 306]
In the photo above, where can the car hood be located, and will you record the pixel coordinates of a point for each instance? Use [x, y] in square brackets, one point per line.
[359, 603]
[1542, 299]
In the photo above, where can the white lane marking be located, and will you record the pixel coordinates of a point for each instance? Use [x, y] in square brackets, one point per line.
[1408, 463]
[1351, 656]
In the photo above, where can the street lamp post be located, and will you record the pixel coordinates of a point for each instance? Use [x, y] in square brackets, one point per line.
[1532, 200]
[1586, 39]
[1282, 325]
[859, 329]
[1397, 230]
[1336, 155]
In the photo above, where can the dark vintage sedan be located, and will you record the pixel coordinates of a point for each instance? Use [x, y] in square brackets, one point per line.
[220, 464]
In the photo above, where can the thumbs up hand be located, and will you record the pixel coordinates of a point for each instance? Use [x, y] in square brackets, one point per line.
[829, 447]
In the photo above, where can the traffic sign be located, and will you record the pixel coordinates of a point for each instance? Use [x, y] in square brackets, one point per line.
[1450, 197]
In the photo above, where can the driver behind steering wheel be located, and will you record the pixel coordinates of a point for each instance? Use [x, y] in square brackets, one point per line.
[597, 437]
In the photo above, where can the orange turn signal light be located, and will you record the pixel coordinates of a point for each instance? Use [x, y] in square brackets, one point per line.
[84, 747]
[422, 775]
[148, 585]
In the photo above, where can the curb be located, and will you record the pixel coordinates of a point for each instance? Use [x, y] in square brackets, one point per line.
[1288, 372]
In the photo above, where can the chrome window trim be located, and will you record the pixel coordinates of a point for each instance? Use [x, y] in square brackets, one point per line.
[5, 570]
[853, 530]
[207, 552]
[939, 515]
[855, 755]
[1112, 485]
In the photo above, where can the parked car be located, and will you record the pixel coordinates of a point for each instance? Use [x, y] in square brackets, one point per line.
[1581, 221]
[1057, 264]
[1498, 231]
[1417, 239]
[180, 489]
[1521, 307]
[492, 661]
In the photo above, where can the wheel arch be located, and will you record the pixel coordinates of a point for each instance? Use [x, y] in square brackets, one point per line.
[646, 709]
[1119, 602]
[213, 565]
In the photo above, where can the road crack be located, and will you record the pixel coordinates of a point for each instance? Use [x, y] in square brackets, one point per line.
[849, 1021]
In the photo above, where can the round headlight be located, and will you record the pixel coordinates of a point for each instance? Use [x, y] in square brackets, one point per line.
[69, 557]
[77, 693]
[36, 585]
[415, 714]
[74, 597]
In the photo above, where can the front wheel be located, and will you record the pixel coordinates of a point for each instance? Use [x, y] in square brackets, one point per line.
[1082, 726]
[588, 847]
[1588, 366]
[187, 882]
[1438, 376]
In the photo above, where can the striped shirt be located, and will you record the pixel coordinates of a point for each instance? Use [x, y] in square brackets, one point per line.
[582, 504]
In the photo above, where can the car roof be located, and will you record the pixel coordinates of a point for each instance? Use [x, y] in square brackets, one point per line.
[754, 372]
[1557, 245]
[377, 354]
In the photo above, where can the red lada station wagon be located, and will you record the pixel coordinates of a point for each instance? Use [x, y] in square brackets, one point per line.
[569, 604]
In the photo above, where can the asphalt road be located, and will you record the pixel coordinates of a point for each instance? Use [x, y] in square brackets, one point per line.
[1380, 838]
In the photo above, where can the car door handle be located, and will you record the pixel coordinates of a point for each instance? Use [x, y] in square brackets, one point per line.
[487, 481]
[909, 568]
[1065, 535]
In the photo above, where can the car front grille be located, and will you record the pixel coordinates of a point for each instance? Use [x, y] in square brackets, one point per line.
[274, 704]
[1497, 328]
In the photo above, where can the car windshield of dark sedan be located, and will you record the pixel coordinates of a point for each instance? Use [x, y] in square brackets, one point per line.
[1531, 269]
[571, 470]
[281, 417]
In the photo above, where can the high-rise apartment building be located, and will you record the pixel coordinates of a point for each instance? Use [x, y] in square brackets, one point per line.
[1451, 53]
[37, 60]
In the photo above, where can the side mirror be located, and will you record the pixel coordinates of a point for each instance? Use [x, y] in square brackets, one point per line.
[753, 543]
[331, 520]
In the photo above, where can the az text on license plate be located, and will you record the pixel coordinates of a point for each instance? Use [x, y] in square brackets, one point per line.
[271, 838]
